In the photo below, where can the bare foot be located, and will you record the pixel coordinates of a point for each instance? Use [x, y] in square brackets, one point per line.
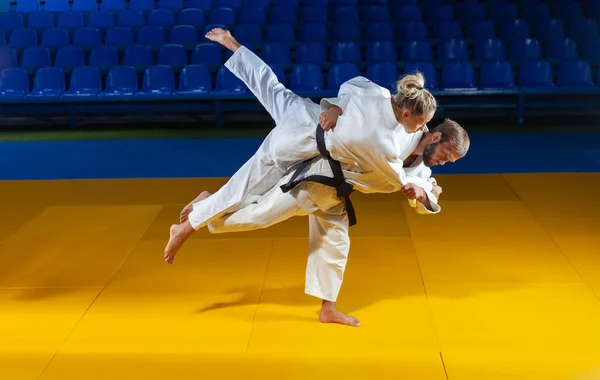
[223, 37]
[179, 233]
[183, 217]
[329, 314]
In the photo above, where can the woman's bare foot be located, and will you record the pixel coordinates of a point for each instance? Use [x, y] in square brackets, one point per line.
[223, 37]
[329, 314]
[183, 217]
[179, 233]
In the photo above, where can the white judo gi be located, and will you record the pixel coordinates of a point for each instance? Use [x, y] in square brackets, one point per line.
[367, 138]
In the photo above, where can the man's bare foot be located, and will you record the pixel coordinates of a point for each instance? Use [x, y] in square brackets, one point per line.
[329, 314]
[179, 233]
[183, 217]
[223, 37]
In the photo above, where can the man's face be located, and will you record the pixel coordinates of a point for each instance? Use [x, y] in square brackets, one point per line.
[438, 154]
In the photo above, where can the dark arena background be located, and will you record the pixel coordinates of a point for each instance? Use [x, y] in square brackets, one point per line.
[115, 114]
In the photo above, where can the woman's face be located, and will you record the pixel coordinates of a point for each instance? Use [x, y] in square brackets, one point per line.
[413, 122]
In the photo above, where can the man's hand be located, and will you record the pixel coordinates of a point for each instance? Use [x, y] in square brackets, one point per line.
[328, 119]
[413, 191]
[436, 190]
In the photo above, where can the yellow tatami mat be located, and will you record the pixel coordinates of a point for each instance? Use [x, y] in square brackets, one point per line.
[503, 284]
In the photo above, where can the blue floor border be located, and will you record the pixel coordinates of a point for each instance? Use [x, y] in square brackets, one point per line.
[103, 159]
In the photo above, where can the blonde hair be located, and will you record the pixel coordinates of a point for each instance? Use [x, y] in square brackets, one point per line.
[413, 96]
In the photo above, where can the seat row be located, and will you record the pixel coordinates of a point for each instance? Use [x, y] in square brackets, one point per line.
[196, 81]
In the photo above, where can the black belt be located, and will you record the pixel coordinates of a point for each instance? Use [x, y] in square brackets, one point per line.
[343, 188]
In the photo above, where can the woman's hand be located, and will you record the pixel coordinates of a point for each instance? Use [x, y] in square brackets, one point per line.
[328, 119]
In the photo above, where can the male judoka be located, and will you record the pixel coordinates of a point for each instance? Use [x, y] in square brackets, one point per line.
[328, 213]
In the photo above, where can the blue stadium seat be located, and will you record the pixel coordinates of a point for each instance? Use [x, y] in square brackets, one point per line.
[55, 38]
[458, 75]
[425, 68]
[162, 17]
[172, 55]
[86, 82]
[447, 30]
[313, 33]
[84, 6]
[104, 57]
[344, 32]
[69, 57]
[173, 5]
[380, 31]
[345, 15]
[153, 36]
[194, 80]
[121, 83]
[561, 48]
[311, 52]
[311, 15]
[40, 21]
[377, 13]
[384, 74]
[408, 12]
[417, 51]
[306, 77]
[35, 58]
[233, 4]
[339, 73]
[489, 49]
[567, 11]
[535, 12]
[138, 56]
[469, 12]
[249, 34]
[146, 6]
[381, 51]
[590, 49]
[453, 50]
[87, 38]
[119, 37]
[28, 6]
[286, 3]
[283, 15]
[315, 3]
[583, 29]
[101, 20]
[549, 29]
[14, 83]
[440, 12]
[8, 57]
[281, 33]
[49, 83]
[207, 54]
[113, 5]
[158, 81]
[71, 21]
[21, 39]
[205, 5]
[57, 6]
[133, 18]
[536, 74]
[413, 31]
[223, 16]
[345, 52]
[10, 22]
[258, 3]
[500, 12]
[481, 29]
[184, 35]
[575, 73]
[229, 84]
[515, 29]
[193, 17]
[525, 49]
[274, 52]
[496, 75]
[2, 38]
[253, 16]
